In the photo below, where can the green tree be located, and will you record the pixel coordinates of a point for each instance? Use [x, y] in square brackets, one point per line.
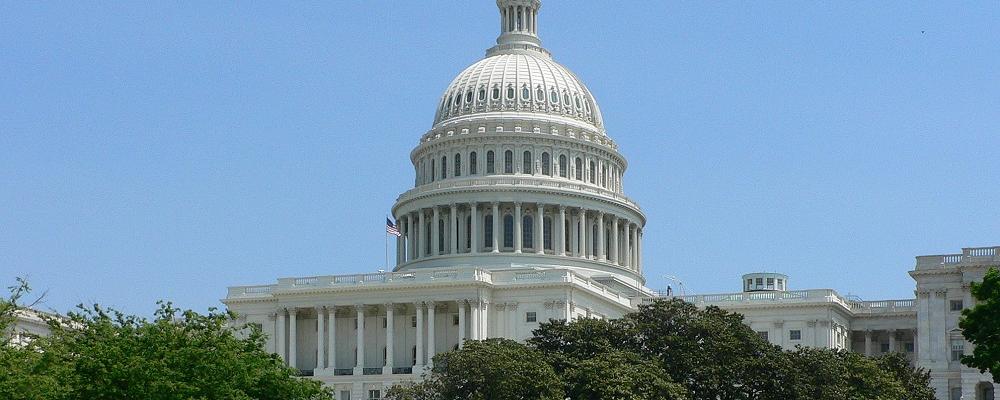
[981, 325]
[620, 375]
[915, 381]
[710, 351]
[493, 369]
[99, 353]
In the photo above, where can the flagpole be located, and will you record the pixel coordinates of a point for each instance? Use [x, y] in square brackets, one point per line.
[386, 240]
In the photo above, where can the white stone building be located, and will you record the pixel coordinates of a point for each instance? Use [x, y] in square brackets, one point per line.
[518, 215]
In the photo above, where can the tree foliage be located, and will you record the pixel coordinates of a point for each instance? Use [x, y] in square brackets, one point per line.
[98, 353]
[981, 325]
[493, 369]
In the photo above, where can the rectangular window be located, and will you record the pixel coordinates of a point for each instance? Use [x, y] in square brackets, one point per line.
[770, 283]
[884, 347]
[530, 316]
[454, 319]
[763, 334]
[957, 349]
[374, 395]
[385, 322]
[345, 395]
[355, 324]
[795, 334]
[956, 305]
[909, 347]
[760, 283]
[413, 322]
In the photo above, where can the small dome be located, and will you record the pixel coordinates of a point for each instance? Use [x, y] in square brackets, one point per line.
[518, 75]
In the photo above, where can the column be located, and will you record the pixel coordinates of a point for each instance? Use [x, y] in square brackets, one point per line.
[474, 307]
[436, 233]
[484, 327]
[868, 343]
[601, 250]
[359, 365]
[430, 333]
[625, 243]
[512, 321]
[454, 229]
[461, 323]
[421, 235]
[331, 332]
[496, 227]
[582, 234]
[561, 245]
[517, 227]
[419, 363]
[474, 235]
[390, 330]
[614, 240]
[279, 336]
[540, 230]
[292, 325]
[892, 340]
[400, 246]
[635, 247]
[320, 348]
[411, 238]
[638, 250]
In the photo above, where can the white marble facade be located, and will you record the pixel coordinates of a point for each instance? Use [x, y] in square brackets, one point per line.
[518, 215]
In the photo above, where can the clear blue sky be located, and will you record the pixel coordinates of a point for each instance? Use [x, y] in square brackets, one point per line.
[167, 150]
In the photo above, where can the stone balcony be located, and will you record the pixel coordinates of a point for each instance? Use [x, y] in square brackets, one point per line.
[430, 277]
[969, 256]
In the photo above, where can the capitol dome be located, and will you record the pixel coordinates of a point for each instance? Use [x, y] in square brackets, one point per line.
[517, 171]
[519, 80]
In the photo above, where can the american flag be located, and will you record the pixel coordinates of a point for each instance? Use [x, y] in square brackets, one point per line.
[391, 228]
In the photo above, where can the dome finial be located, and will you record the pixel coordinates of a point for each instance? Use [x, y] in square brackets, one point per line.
[518, 27]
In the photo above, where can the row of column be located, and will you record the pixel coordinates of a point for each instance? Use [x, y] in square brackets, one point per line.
[870, 335]
[518, 18]
[326, 328]
[411, 244]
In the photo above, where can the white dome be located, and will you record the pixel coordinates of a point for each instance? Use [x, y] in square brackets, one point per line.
[519, 80]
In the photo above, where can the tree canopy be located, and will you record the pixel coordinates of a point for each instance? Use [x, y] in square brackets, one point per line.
[981, 325]
[98, 353]
[673, 350]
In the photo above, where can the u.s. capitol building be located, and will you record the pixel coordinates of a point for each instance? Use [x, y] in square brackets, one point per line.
[518, 215]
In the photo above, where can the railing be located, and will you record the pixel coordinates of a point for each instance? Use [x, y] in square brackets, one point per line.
[343, 371]
[818, 295]
[883, 306]
[969, 255]
[516, 180]
[371, 371]
[305, 372]
[402, 370]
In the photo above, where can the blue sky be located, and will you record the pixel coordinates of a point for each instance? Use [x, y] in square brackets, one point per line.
[166, 150]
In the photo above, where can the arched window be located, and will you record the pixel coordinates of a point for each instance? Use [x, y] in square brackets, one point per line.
[607, 240]
[488, 231]
[441, 235]
[566, 99]
[576, 98]
[482, 94]
[604, 175]
[433, 169]
[593, 172]
[468, 97]
[444, 167]
[539, 94]
[508, 162]
[508, 230]
[510, 92]
[554, 97]
[546, 164]
[526, 163]
[562, 165]
[427, 238]
[547, 233]
[458, 165]
[525, 93]
[593, 240]
[489, 162]
[468, 232]
[472, 163]
[565, 236]
[458, 99]
[579, 169]
[496, 92]
[527, 229]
